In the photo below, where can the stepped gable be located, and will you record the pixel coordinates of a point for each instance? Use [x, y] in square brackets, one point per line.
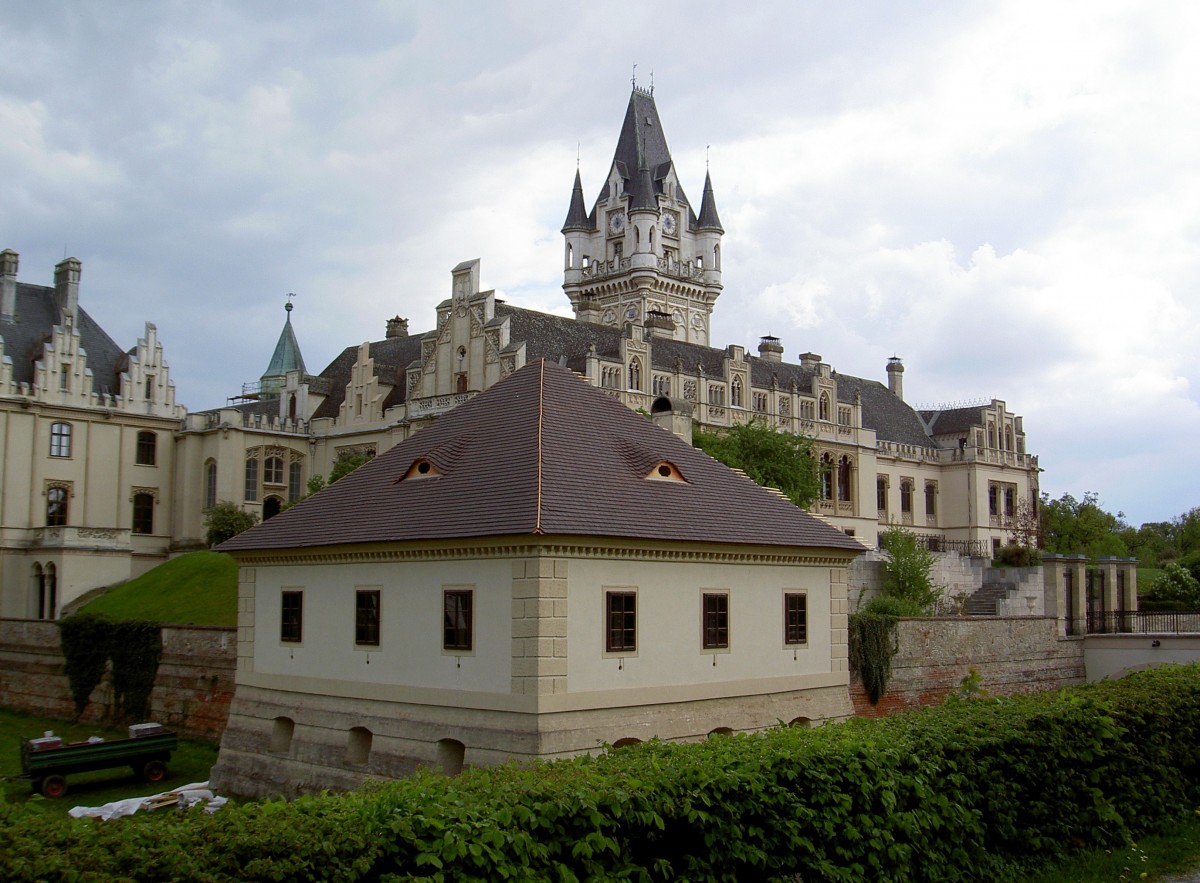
[36, 315]
[542, 453]
[392, 357]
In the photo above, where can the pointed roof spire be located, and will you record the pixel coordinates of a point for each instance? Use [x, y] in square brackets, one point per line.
[708, 219]
[577, 214]
[287, 351]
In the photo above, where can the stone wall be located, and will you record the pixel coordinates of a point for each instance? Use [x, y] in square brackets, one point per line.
[192, 692]
[1011, 654]
[959, 575]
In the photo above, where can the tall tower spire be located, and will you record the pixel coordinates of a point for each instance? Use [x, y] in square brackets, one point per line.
[642, 248]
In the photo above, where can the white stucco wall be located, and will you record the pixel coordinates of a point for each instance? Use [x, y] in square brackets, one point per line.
[410, 650]
[669, 648]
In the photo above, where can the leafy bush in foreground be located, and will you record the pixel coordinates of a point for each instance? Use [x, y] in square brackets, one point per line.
[974, 790]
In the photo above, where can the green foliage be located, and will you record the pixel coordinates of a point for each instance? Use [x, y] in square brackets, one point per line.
[908, 570]
[968, 791]
[769, 457]
[84, 639]
[225, 521]
[197, 588]
[1082, 527]
[1178, 585]
[89, 641]
[342, 466]
[1016, 555]
[872, 646]
[135, 647]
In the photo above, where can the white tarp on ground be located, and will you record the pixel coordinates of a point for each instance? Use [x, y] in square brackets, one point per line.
[186, 796]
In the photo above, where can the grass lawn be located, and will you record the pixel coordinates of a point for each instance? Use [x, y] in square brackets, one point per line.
[199, 588]
[191, 762]
[1174, 850]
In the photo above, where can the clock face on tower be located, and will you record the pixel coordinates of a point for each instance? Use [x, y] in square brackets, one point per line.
[616, 222]
[670, 223]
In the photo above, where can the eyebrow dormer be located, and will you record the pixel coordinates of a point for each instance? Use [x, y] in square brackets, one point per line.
[665, 470]
[422, 467]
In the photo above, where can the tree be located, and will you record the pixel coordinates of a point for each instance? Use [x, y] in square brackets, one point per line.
[226, 520]
[908, 574]
[1175, 583]
[1082, 527]
[771, 458]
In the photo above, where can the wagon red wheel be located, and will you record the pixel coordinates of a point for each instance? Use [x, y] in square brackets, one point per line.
[54, 786]
[154, 771]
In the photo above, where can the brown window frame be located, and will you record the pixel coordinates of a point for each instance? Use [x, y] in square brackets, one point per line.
[143, 514]
[367, 617]
[714, 620]
[147, 448]
[795, 618]
[458, 620]
[620, 621]
[291, 616]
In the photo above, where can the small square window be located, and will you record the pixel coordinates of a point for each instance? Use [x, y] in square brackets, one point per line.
[795, 618]
[366, 617]
[291, 620]
[620, 622]
[458, 619]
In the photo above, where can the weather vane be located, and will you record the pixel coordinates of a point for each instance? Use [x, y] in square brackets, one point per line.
[288, 305]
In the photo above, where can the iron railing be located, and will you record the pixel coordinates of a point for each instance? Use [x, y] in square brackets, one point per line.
[1143, 622]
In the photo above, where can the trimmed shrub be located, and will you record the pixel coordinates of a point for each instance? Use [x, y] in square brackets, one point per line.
[979, 790]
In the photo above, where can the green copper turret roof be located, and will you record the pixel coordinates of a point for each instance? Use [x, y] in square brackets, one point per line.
[286, 357]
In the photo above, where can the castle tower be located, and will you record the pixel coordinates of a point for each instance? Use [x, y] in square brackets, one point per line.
[642, 248]
[285, 358]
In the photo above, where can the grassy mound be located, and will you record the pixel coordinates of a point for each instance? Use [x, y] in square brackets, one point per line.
[199, 588]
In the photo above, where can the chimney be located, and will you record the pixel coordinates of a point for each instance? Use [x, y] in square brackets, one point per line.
[397, 327]
[770, 349]
[659, 324]
[66, 284]
[810, 360]
[895, 372]
[673, 415]
[8, 285]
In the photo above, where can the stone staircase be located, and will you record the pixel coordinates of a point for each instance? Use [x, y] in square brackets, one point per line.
[983, 601]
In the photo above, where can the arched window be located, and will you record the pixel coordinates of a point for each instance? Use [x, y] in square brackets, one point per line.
[450, 756]
[143, 513]
[60, 440]
[931, 498]
[1008, 438]
[271, 507]
[735, 392]
[358, 746]
[281, 735]
[147, 445]
[56, 507]
[294, 472]
[252, 479]
[881, 493]
[39, 592]
[635, 373]
[827, 476]
[273, 471]
[906, 497]
[991, 434]
[210, 484]
[843, 476]
[292, 406]
[823, 407]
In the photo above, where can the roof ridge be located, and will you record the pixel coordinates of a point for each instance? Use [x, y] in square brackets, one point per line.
[537, 527]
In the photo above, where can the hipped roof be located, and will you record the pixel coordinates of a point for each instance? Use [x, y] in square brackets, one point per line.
[543, 453]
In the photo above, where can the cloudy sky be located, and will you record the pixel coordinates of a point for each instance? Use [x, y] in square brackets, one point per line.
[1006, 195]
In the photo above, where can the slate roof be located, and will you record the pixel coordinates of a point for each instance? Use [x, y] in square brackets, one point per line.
[708, 219]
[543, 453]
[953, 420]
[642, 146]
[36, 315]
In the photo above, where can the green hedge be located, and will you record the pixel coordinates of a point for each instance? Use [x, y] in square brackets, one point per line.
[973, 790]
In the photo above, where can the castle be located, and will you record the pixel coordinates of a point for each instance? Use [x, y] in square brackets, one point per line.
[104, 475]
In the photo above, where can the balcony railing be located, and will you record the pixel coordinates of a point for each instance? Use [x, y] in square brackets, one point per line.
[1143, 622]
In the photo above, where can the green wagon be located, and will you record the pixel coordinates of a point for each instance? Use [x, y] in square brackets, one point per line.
[47, 765]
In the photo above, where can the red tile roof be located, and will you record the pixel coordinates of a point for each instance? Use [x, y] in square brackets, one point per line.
[543, 452]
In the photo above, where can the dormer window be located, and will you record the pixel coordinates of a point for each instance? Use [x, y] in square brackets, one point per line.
[421, 468]
[665, 470]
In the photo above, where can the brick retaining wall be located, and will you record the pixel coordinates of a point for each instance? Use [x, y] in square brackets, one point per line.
[191, 693]
[1012, 655]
